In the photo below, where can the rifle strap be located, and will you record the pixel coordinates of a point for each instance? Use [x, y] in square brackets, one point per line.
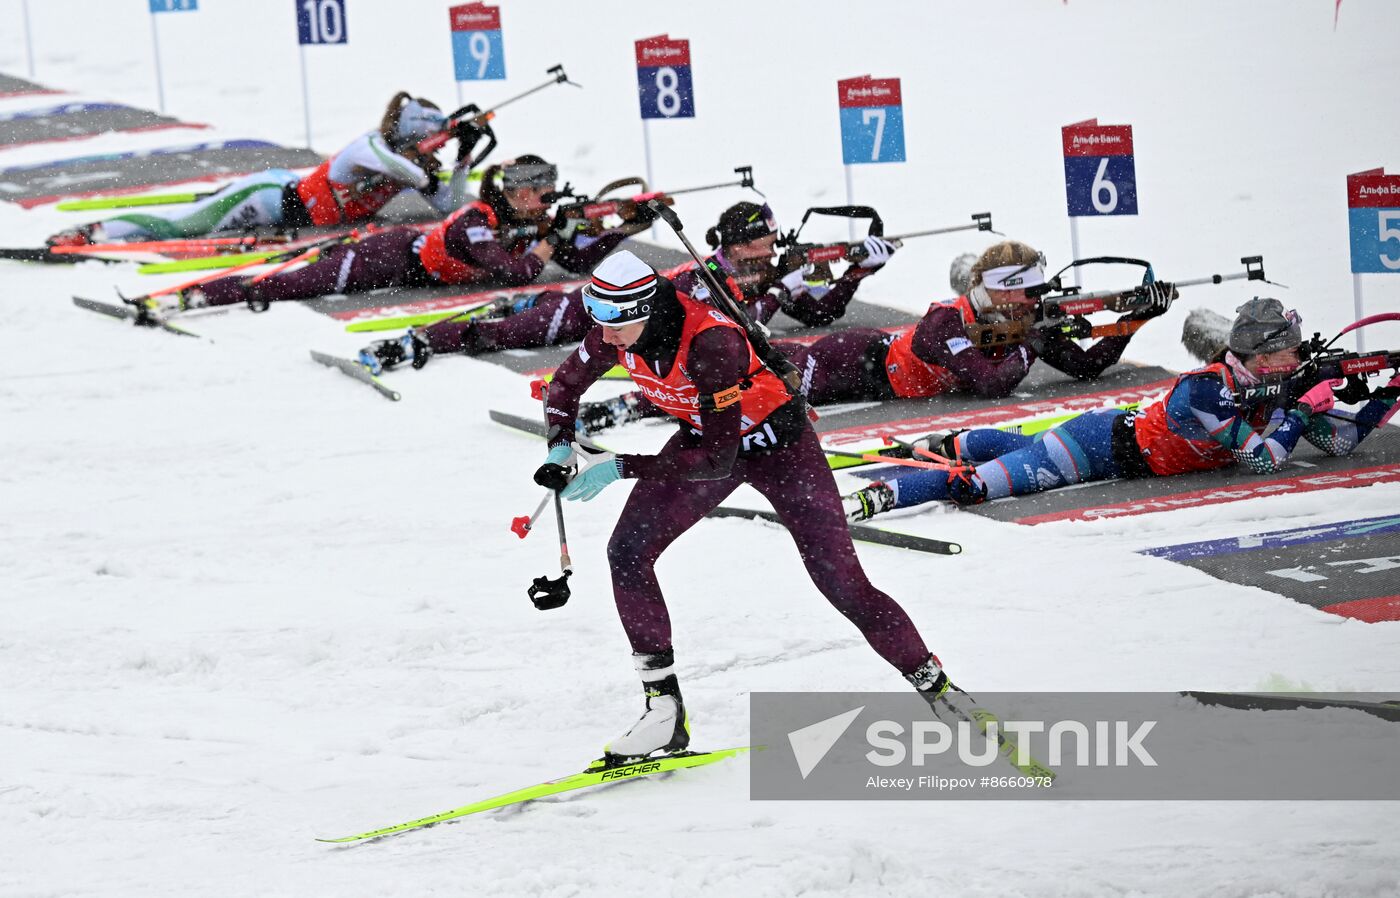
[1117, 329]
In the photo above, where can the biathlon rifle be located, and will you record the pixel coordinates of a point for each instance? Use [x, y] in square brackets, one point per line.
[1063, 309]
[471, 124]
[796, 253]
[594, 209]
[1320, 361]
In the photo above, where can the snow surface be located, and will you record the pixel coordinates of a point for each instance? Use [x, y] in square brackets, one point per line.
[244, 601]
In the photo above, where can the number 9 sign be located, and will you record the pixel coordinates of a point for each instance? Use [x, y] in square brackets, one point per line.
[478, 52]
[1100, 177]
[664, 84]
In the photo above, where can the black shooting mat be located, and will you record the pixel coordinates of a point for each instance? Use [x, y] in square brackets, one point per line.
[65, 121]
[123, 172]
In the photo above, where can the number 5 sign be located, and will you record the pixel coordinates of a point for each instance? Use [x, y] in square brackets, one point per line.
[1373, 205]
[478, 53]
[1100, 178]
[872, 120]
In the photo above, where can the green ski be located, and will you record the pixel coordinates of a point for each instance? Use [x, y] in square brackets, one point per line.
[206, 263]
[590, 777]
[404, 322]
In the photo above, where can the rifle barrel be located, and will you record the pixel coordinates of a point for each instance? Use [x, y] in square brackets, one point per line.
[705, 187]
[933, 231]
[520, 96]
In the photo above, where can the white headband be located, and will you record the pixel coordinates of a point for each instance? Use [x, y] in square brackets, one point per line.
[1013, 277]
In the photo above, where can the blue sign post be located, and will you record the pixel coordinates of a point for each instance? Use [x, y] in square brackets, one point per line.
[318, 22]
[478, 50]
[665, 88]
[872, 125]
[1373, 209]
[154, 6]
[1100, 175]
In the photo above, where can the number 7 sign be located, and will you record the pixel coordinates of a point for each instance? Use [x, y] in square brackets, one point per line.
[872, 120]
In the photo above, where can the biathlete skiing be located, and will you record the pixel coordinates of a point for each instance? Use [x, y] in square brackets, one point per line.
[738, 424]
[1199, 425]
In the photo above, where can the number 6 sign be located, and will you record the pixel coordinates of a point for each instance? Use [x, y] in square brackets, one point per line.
[478, 53]
[1100, 178]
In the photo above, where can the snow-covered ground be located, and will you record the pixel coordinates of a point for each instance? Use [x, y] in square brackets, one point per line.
[244, 601]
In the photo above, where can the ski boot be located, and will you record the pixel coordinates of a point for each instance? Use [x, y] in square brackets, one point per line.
[940, 442]
[506, 306]
[664, 729]
[85, 235]
[596, 416]
[942, 696]
[866, 502]
[389, 354]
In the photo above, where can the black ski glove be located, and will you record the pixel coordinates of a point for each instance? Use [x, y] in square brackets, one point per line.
[641, 214]
[554, 474]
[468, 136]
[1159, 298]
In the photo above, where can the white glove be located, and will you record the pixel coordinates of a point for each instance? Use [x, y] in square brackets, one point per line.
[877, 252]
[793, 280]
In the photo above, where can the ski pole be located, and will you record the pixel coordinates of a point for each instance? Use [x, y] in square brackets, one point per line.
[522, 525]
[545, 593]
[226, 272]
[776, 361]
[160, 245]
[888, 459]
[314, 249]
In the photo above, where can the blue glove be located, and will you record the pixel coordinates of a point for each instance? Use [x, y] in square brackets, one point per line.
[592, 481]
[554, 473]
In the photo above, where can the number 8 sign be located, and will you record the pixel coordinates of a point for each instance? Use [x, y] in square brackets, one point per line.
[1100, 178]
[478, 53]
[664, 84]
